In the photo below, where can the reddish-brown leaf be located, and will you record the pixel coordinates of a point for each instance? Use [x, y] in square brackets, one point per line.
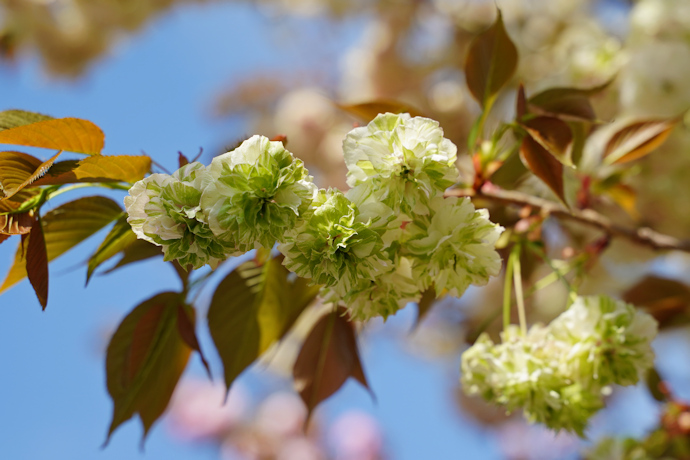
[425, 303]
[543, 165]
[521, 103]
[666, 299]
[15, 168]
[186, 325]
[367, 111]
[569, 104]
[637, 140]
[552, 134]
[16, 224]
[328, 357]
[145, 358]
[491, 62]
[37, 263]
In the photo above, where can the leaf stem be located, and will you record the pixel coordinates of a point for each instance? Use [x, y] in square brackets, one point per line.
[517, 278]
[507, 290]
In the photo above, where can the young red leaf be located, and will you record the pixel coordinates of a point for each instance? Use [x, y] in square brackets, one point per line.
[569, 104]
[543, 165]
[520, 103]
[252, 308]
[367, 111]
[329, 356]
[182, 160]
[491, 62]
[37, 263]
[145, 359]
[637, 140]
[552, 134]
[35, 130]
[425, 303]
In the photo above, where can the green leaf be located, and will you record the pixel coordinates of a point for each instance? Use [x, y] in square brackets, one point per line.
[120, 168]
[329, 356]
[637, 139]
[252, 308]
[35, 130]
[37, 263]
[543, 165]
[367, 111]
[66, 226]
[136, 251]
[491, 62]
[119, 237]
[145, 359]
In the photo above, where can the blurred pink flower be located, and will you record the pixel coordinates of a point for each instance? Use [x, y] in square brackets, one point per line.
[356, 435]
[197, 411]
[282, 414]
[520, 440]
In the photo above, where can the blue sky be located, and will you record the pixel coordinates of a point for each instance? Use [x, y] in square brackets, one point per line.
[153, 93]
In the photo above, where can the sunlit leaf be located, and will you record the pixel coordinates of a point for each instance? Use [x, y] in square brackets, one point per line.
[329, 356]
[37, 263]
[252, 308]
[100, 168]
[543, 165]
[637, 140]
[367, 111]
[34, 130]
[16, 168]
[552, 134]
[66, 226]
[491, 62]
[145, 359]
[667, 300]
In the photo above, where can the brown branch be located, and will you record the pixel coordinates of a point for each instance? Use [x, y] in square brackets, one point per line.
[644, 236]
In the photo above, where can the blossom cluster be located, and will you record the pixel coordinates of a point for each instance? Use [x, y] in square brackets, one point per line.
[374, 248]
[559, 374]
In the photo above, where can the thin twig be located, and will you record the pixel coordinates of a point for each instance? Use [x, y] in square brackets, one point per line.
[644, 236]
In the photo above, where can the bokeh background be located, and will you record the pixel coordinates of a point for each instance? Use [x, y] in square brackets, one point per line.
[166, 76]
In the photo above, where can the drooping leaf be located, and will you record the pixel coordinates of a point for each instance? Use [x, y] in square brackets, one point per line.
[37, 263]
[252, 308]
[145, 359]
[100, 168]
[491, 62]
[186, 326]
[40, 171]
[543, 165]
[552, 134]
[637, 140]
[367, 111]
[655, 385]
[34, 130]
[425, 303]
[329, 356]
[136, 251]
[667, 300]
[66, 226]
[520, 103]
[16, 224]
[119, 237]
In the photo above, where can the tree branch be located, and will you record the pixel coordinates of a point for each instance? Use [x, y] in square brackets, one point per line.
[644, 236]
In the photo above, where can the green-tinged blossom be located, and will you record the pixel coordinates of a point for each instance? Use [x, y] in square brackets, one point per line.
[333, 245]
[453, 245]
[256, 194]
[165, 210]
[558, 378]
[407, 159]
